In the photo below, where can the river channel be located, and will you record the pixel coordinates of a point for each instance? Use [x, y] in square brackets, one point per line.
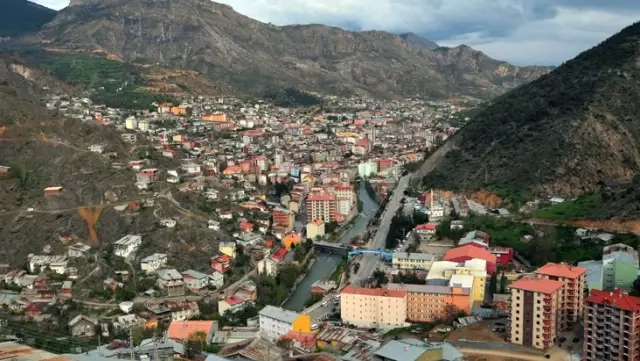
[326, 263]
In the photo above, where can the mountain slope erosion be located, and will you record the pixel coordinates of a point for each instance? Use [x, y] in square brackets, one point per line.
[227, 46]
[43, 150]
[21, 16]
[563, 134]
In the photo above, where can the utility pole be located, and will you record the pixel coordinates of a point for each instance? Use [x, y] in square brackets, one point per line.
[131, 343]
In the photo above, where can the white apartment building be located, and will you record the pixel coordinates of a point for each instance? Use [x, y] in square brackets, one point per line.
[57, 264]
[127, 245]
[276, 322]
[195, 280]
[153, 263]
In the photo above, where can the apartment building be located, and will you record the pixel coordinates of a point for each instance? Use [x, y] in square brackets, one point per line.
[573, 291]
[321, 206]
[442, 271]
[373, 307]
[611, 326]
[617, 269]
[127, 245]
[407, 260]
[276, 322]
[534, 312]
[283, 217]
[428, 303]
[153, 262]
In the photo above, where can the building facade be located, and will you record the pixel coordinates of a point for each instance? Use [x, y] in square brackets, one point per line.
[321, 206]
[534, 312]
[407, 260]
[428, 303]
[442, 272]
[617, 269]
[276, 322]
[573, 290]
[373, 307]
[611, 326]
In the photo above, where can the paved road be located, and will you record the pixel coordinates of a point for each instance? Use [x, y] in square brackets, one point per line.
[369, 262]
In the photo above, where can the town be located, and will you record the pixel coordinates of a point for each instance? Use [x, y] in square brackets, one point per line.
[305, 234]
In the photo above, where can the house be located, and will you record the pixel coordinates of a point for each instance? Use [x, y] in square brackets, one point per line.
[268, 266]
[195, 281]
[416, 350]
[127, 245]
[112, 285]
[153, 263]
[231, 304]
[228, 249]
[168, 222]
[246, 227]
[57, 264]
[96, 148]
[213, 224]
[216, 279]
[83, 326]
[34, 310]
[171, 282]
[186, 330]
[323, 287]
[249, 239]
[65, 290]
[52, 191]
[221, 264]
[315, 229]
[276, 322]
[183, 310]
[78, 250]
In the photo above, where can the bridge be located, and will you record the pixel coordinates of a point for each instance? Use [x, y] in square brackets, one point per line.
[385, 255]
[326, 247]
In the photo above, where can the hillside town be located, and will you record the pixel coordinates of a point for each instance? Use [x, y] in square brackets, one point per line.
[318, 243]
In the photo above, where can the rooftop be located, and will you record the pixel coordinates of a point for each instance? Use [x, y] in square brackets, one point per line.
[384, 292]
[617, 298]
[181, 330]
[561, 270]
[279, 314]
[540, 285]
[470, 251]
[414, 256]
[443, 290]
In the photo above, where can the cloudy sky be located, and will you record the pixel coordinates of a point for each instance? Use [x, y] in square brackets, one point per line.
[544, 32]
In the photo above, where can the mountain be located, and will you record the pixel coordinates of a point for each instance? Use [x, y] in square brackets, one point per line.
[417, 42]
[228, 47]
[21, 16]
[566, 133]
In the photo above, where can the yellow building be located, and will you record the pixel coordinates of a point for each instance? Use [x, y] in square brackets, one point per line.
[228, 248]
[275, 322]
[315, 229]
[407, 260]
[290, 239]
[444, 270]
[302, 324]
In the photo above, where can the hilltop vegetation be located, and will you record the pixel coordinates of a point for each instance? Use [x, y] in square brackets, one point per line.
[563, 134]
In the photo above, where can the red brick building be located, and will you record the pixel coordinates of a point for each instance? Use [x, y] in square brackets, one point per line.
[322, 206]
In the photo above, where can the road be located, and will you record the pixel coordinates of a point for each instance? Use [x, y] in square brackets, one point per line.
[369, 262]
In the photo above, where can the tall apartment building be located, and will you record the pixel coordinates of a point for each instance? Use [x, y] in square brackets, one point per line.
[618, 268]
[428, 303]
[534, 312]
[373, 307]
[321, 206]
[283, 217]
[573, 290]
[611, 327]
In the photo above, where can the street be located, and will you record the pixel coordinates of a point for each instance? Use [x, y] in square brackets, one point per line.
[369, 262]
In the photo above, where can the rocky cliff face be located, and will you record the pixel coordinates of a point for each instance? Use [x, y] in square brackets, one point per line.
[215, 40]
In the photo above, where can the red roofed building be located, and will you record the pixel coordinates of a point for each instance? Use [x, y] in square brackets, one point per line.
[279, 254]
[186, 330]
[373, 307]
[246, 226]
[221, 264]
[575, 285]
[468, 252]
[504, 255]
[611, 326]
[534, 312]
[322, 206]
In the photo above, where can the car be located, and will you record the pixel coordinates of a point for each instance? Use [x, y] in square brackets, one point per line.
[314, 326]
[30, 209]
[324, 304]
[499, 324]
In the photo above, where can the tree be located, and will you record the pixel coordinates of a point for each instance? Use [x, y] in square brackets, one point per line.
[493, 285]
[503, 284]
[285, 343]
[380, 278]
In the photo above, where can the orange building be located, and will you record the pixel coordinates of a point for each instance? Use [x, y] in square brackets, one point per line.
[373, 307]
[574, 281]
[179, 110]
[534, 312]
[290, 239]
[428, 303]
[216, 118]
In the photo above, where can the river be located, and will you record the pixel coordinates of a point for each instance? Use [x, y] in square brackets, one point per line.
[326, 263]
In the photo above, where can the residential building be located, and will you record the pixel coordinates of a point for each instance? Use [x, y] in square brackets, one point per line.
[416, 350]
[171, 282]
[408, 260]
[231, 304]
[441, 273]
[315, 229]
[573, 291]
[321, 287]
[373, 307]
[221, 264]
[195, 281]
[83, 326]
[467, 252]
[183, 310]
[153, 263]
[38, 263]
[617, 269]
[611, 326]
[321, 206]
[127, 245]
[504, 255]
[428, 303]
[78, 250]
[228, 248]
[276, 322]
[290, 240]
[216, 279]
[534, 313]
[268, 266]
[283, 217]
[184, 330]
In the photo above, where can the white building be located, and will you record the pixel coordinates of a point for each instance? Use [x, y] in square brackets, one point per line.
[153, 263]
[127, 245]
[366, 169]
[78, 250]
[194, 280]
[131, 123]
[268, 266]
[276, 322]
[216, 279]
[143, 125]
[57, 264]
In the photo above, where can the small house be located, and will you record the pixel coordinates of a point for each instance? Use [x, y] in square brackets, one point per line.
[52, 191]
[83, 326]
